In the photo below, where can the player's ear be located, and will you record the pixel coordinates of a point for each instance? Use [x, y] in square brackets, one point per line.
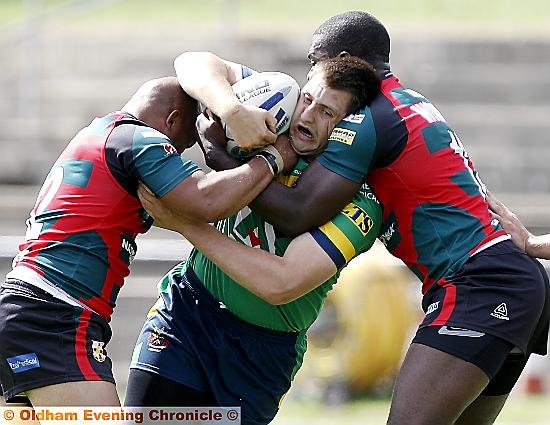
[172, 119]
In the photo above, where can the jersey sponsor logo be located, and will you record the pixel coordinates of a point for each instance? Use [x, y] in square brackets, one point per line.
[453, 331]
[169, 149]
[367, 193]
[501, 312]
[354, 118]
[432, 307]
[387, 235]
[23, 362]
[98, 351]
[156, 341]
[359, 217]
[129, 249]
[342, 135]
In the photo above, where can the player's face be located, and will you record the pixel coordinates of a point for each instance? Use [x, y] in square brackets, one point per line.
[182, 130]
[318, 111]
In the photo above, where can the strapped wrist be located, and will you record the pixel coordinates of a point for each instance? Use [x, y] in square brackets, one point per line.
[273, 158]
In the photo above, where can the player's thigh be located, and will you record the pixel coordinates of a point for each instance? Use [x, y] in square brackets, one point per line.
[482, 411]
[16, 408]
[434, 387]
[77, 393]
[146, 388]
[490, 402]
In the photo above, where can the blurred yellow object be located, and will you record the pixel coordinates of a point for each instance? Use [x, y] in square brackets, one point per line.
[359, 338]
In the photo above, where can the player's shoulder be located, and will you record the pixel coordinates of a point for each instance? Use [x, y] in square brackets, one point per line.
[133, 137]
[148, 139]
[150, 134]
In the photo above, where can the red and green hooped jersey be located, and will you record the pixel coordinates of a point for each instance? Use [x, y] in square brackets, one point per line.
[81, 233]
[434, 209]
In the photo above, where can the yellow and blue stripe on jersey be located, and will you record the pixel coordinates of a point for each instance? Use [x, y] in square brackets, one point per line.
[352, 231]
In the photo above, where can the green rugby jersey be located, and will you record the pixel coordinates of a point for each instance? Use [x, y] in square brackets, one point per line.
[348, 234]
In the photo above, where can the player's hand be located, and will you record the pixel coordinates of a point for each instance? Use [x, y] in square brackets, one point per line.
[164, 217]
[212, 142]
[282, 144]
[210, 132]
[510, 222]
[250, 126]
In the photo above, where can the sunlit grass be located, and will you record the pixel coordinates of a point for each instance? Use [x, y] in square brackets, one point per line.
[520, 410]
[261, 16]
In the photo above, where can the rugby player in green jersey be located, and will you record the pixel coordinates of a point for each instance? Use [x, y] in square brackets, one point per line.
[486, 303]
[209, 341]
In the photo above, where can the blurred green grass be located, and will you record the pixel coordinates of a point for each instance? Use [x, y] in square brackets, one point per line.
[261, 16]
[519, 410]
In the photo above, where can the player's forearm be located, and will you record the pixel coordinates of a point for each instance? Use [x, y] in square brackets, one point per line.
[218, 159]
[226, 192]
[538, 246]
[205, 77]
[257, 271]
[283, 207]
[276, 280]
[216, 195]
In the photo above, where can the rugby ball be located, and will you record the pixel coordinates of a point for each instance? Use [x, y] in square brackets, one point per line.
[275, 92]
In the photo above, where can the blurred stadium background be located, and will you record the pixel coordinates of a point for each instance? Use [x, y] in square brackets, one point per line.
[486, 65]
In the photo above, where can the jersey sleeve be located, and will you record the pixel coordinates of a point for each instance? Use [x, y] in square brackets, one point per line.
[353, 230]
[151, 158]
[351, 147]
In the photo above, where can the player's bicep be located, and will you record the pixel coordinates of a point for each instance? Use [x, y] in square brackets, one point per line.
[350, 232]
[187, 198]
[325, 193]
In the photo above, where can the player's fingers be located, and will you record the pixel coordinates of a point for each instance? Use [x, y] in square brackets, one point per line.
[495, 215]
[202, 123]
[271, 123]
[146, 197]
[495, 204]
[146, 189]
[145, 194]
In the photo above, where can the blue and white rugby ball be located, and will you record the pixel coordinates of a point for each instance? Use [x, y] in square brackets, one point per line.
[275, 92]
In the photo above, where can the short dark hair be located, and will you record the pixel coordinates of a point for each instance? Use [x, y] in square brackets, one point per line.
[356, 32]
[351, 74]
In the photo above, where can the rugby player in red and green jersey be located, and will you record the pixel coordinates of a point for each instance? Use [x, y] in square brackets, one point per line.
[486, 302]
[56, 303]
